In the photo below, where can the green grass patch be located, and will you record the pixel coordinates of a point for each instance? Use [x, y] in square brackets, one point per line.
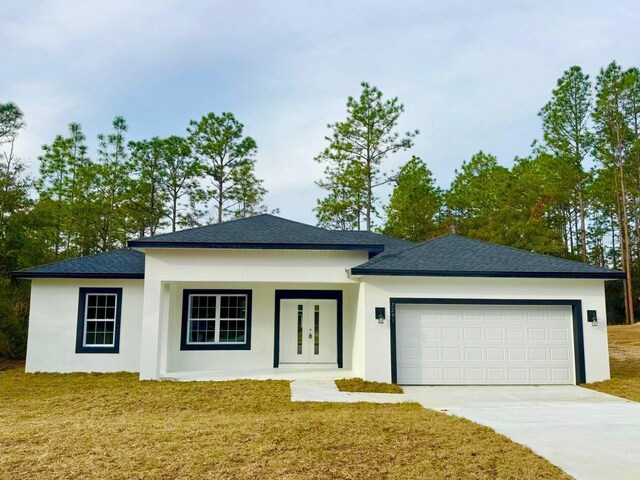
[360, 385]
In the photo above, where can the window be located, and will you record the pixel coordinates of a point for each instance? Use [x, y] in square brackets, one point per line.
[98, 329]
[216, 320]
[300, 320]
[316, 330]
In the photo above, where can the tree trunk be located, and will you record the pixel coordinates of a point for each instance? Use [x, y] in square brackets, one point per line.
[220, 200]
[369, 195]
[624, 225]
[174, 213]
[613, 241]
[570, 233]
[583, 231]
[636, 225]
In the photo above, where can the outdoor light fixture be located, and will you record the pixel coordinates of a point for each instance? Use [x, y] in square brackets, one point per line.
[592, 317]
[380, 314]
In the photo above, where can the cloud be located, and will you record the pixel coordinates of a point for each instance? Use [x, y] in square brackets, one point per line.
[472, 75]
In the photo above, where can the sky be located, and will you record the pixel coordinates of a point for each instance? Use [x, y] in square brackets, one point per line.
[472, 75]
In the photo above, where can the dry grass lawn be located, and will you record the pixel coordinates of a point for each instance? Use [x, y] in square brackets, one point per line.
[360, 385]
[624, 355]
[113, 426]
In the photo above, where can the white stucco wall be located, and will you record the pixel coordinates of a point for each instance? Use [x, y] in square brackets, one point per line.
[53, 320]
[151, 310]
[169, 271]
[378, 291]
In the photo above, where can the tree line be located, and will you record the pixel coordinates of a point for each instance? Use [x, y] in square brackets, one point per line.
[138, 188]
[576, 194]
[81, 202]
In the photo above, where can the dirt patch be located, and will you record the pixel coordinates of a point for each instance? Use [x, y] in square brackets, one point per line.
[624, 357]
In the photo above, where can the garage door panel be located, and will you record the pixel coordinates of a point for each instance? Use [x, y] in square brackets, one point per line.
[475, 344]
[494, 334]
[451, 333]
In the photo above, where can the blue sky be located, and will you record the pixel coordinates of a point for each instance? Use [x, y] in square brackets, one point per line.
[472, 75]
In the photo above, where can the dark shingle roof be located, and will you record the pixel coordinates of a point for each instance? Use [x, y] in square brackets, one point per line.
[264, 232]
[123, 263]
[452, 255]
[449, 255]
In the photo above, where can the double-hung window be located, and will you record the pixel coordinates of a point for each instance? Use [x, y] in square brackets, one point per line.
[98, 329]
[216, 320]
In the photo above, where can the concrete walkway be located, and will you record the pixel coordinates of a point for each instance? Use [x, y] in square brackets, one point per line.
[325, 390]
[587, 434]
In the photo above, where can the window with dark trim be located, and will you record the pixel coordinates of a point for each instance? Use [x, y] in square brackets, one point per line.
[98, 328]
[216, 320]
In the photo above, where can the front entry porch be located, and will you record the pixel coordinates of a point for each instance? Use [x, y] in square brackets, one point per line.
[254, 330]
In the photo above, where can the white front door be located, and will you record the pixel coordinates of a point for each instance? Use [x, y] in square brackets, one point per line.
[308, 331]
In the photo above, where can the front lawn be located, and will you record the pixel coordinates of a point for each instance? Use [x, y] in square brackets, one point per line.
[113, 426]
[624, 356]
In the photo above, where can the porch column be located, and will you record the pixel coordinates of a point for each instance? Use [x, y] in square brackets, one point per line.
[154, 309]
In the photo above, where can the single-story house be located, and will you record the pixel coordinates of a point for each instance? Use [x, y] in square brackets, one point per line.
[266, 294]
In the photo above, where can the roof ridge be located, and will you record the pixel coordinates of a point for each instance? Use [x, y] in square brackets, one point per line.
[379, 258]
[200, 227]
[235, 220]
[379, 235]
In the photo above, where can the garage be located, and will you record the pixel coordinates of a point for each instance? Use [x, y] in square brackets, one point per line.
[484, 344]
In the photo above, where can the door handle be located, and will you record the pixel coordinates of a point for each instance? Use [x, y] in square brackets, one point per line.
[310, 334]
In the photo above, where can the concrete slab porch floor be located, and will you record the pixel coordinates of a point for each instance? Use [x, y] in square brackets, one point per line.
[284, 372]
[588, 434]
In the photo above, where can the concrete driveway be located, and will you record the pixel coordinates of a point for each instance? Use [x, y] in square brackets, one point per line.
[587, 434]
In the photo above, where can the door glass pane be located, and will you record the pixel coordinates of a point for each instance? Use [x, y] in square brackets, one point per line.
[316, 329]
[300, 313]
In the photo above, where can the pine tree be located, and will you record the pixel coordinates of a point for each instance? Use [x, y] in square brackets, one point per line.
[475, 195]
[147, 197]
[64, 185]
[613, 144]
[248, 192]
[565, 123]
[180, 177]
[113, 186]
[219, 144]
[415, 205]
[353, 159]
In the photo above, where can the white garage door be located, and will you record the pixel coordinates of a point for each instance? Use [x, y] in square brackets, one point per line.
[480, 344]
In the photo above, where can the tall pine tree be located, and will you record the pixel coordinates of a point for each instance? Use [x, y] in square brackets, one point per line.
[219, 144]
[565, 123]
[353, 159]
[415, 205]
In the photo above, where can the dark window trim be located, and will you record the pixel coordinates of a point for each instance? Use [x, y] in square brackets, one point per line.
[184, 345]
[459, 273]
[375, 247]
[307, 295]
[84, 291]
[118, 276]
[576, 311]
